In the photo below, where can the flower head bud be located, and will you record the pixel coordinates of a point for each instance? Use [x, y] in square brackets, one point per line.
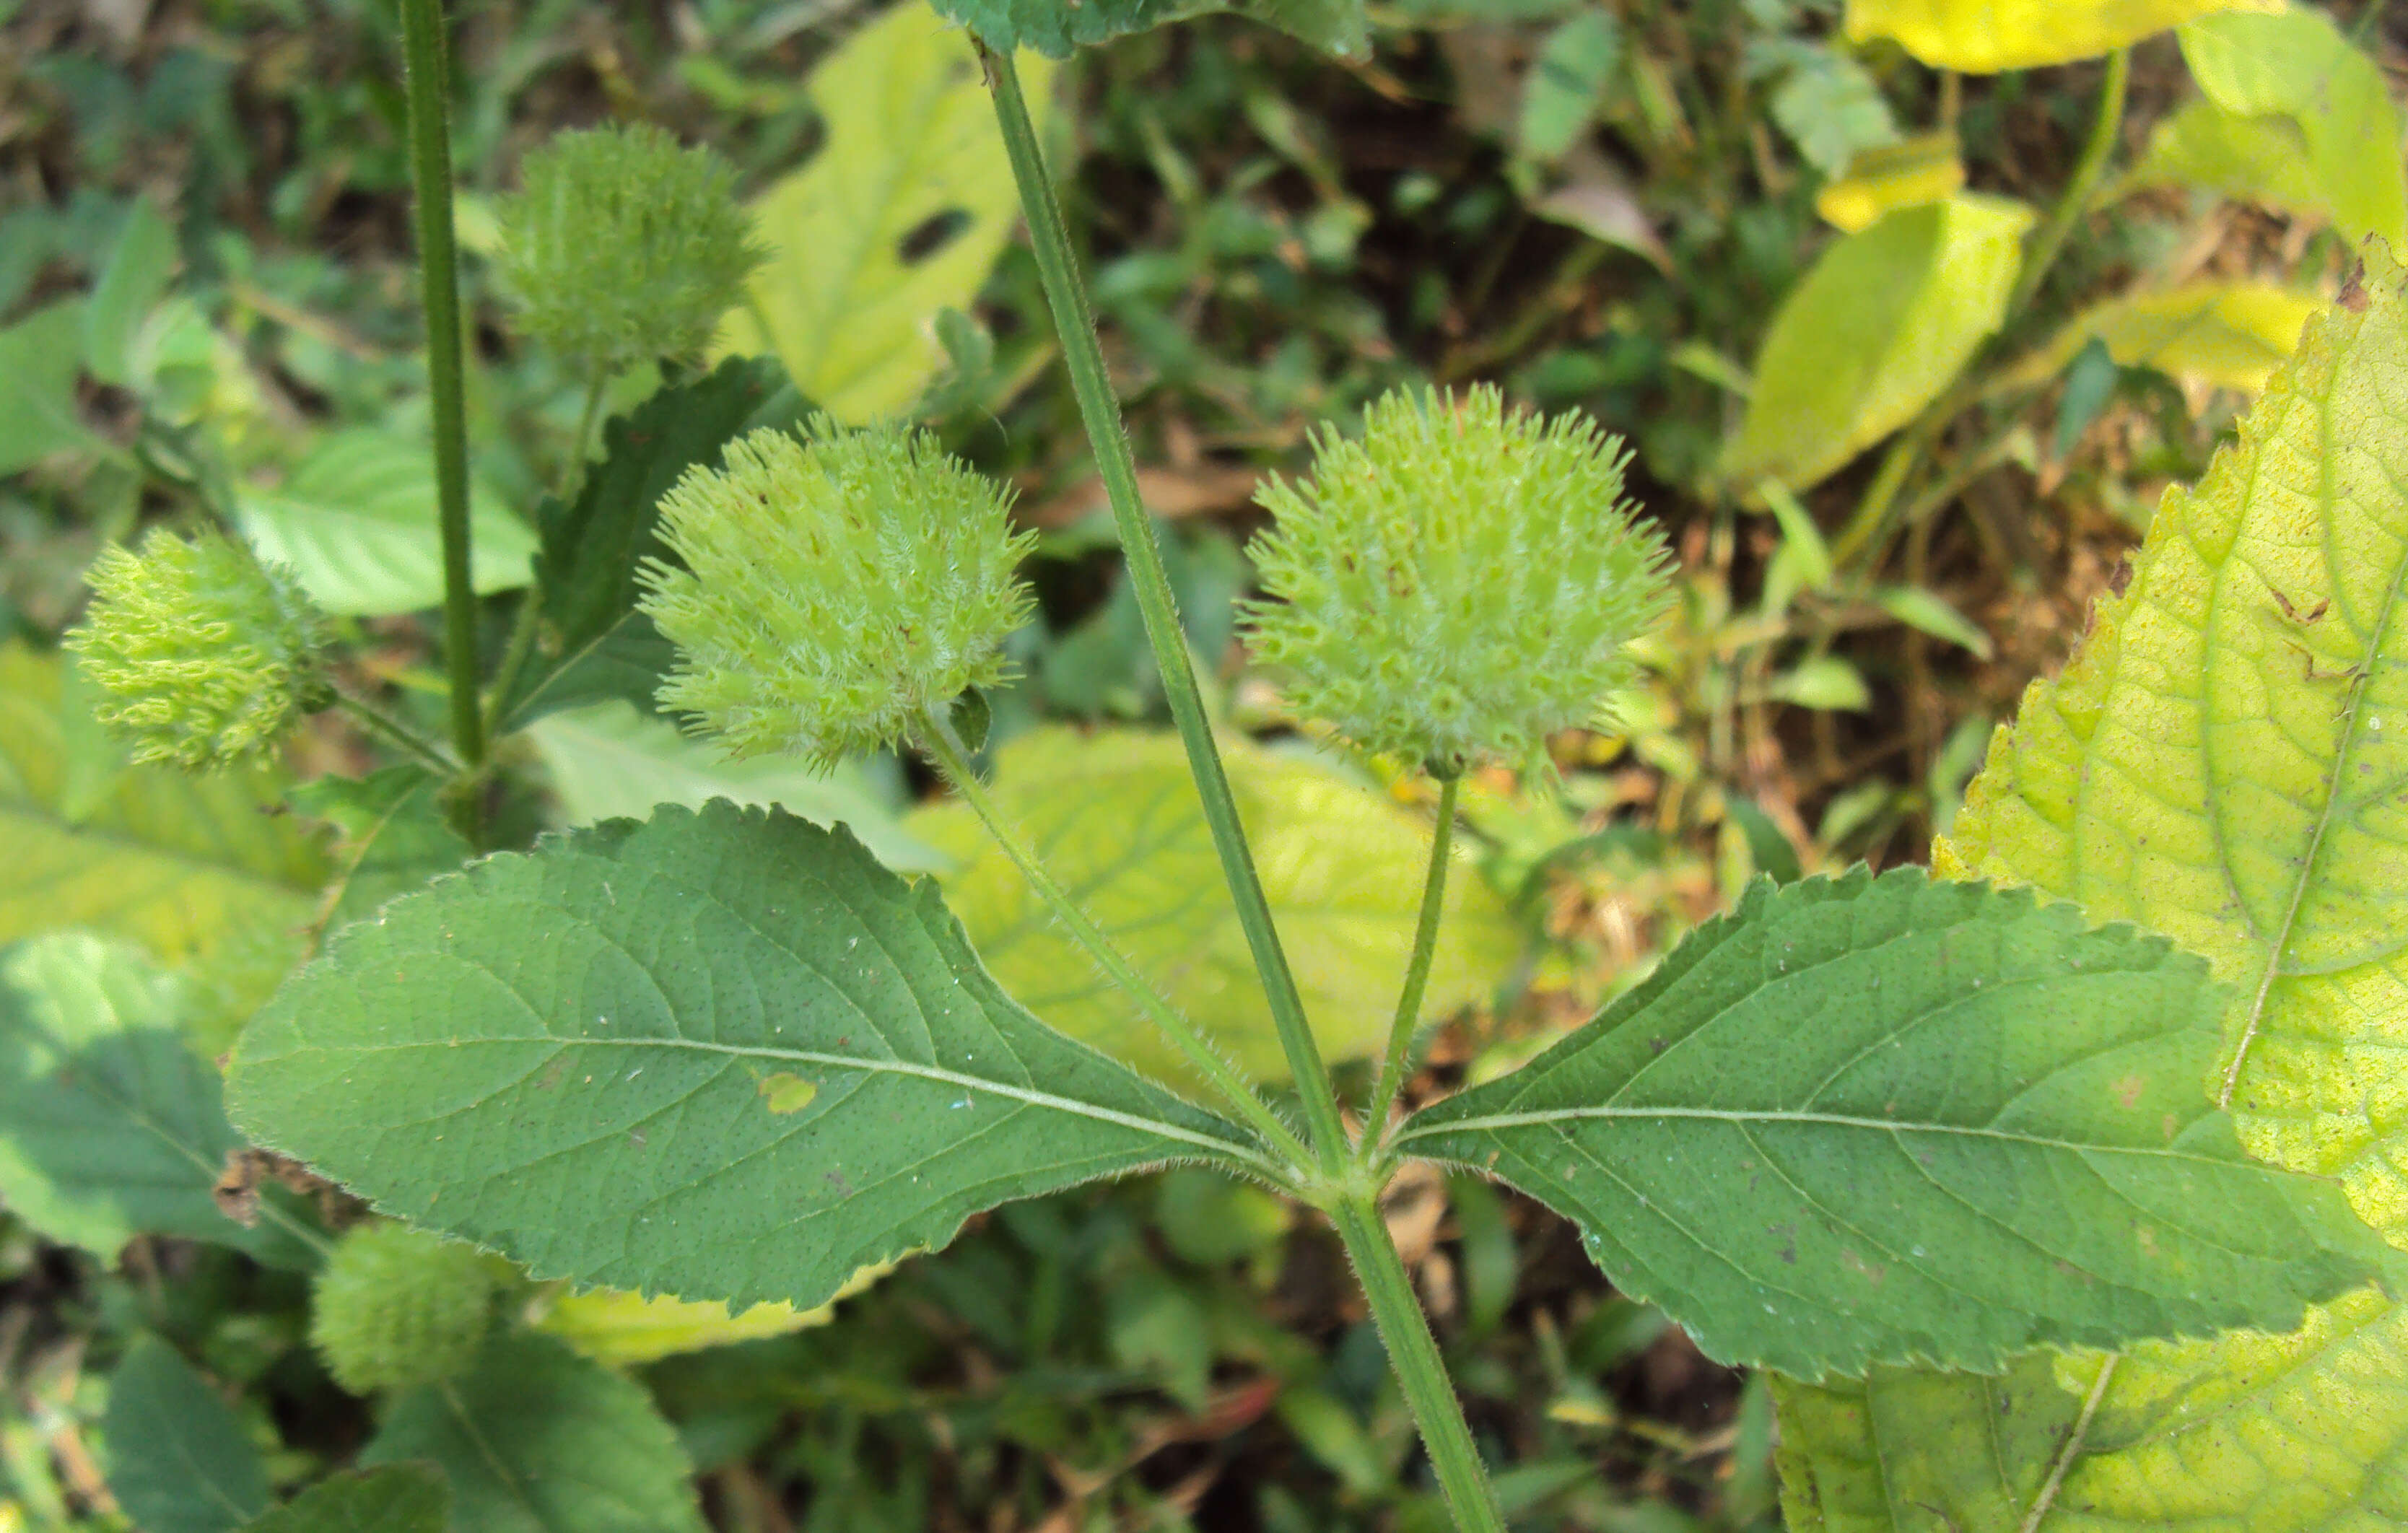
[396, 1309]
[1460, 583]
[836, 587]
[621, 246]
[207, 657]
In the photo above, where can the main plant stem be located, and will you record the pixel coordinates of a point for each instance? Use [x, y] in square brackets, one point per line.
[1100, 410]
[1409, 1003]
[438, 265]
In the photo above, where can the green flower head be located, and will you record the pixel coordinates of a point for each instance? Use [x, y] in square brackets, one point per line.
[622, 247]
[1457, 584]
[835, 588]
[396, 1309]
[206, 657]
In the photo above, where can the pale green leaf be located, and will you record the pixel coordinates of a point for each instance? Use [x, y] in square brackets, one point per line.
[2221, 760]
[1114, 814]
[1887, 318]
[203, 871]
[178, 1461]
[623, 1330]
[609, 760]
[1568, 82]
[1055, 27]
[579, 1057]
[1826, 682]
[2230, 335]
[850, 295]
[355, 519]
[399, 1499]
[2292, 116]
[1983, 37]
[109, 1124]
[1926, 612]
[537, 1440]
[39, 414]
[1831, 107]
[1873, 1121]
[131, 284]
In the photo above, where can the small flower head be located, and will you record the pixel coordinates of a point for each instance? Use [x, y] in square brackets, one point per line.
[1460, 583]
[396, 1309]
[835, 588]
[623, 247]
[206, 657]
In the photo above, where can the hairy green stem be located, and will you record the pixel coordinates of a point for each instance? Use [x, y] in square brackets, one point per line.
[1409, 1003]
[439, 264]
[1412, 1352]
[386, 726]
[937, 740]
[1100, 410]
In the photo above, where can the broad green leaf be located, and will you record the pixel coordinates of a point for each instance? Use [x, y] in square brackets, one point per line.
[1886, 320]
[109, 1124]
[39, 414]
[607, 760]
[131, 285]
[178, 1461]
[609, 1058]
[1983, 37]
[1115, 816]
[355, 519]
[1055, 27]
[399, 1499]
[1886, 1121]
[2292, 116]
[1924, 169]
[900, 216]
[2230, 335]
[585, 570]
[2220, 760]
[537, 1440]
[1830, 107]
[625, 1329]
[1568, 82]
[203, 871]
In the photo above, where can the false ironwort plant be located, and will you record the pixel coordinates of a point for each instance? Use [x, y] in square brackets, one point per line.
[1854, 1127]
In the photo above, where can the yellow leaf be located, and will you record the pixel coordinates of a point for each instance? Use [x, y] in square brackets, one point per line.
[625, 1329]
[1892, 175]
[900, 214]
[1983, 37]
[2231, 335]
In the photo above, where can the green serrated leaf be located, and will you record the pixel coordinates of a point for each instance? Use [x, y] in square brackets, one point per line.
[399, 1499]
[1872, 1120]
[39, 414]
[607, 760]
[110, 1126]
[1055, 27]
[355, 520]
[585, 568]
[1115, 816]
[900, 216]
[559, 1054]
[2211, 762]
[537, 1440]
[1983, 37]
[1883, 321]
[178, 1461]
[205, 872]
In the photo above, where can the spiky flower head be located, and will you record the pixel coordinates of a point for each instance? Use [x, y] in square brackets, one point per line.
[1458, 584]
[206, 657]
[394, 1309]
[836, 587]
[621, 246]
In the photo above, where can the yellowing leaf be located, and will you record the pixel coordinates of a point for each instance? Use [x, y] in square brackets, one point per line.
[623, 1330]
[1116, 819]
[1886, 320]
[2222, 761]
[900, 214]
[1892, 175]
[2230, 335]
[1983, 37]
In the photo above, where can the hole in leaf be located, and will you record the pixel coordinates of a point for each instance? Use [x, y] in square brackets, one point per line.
[930, 235]
[786, 1092]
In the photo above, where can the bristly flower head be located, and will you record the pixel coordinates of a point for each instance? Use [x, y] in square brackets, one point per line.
[1460, 583]
[394, 1309]
[836, 587]
[622, 247]
[207, 657]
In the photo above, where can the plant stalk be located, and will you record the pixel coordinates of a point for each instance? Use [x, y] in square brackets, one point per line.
[1412, 1352]
[943, 748]
[1409, 1004]
[1100, 410]
[425, 77]
[384, 726]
